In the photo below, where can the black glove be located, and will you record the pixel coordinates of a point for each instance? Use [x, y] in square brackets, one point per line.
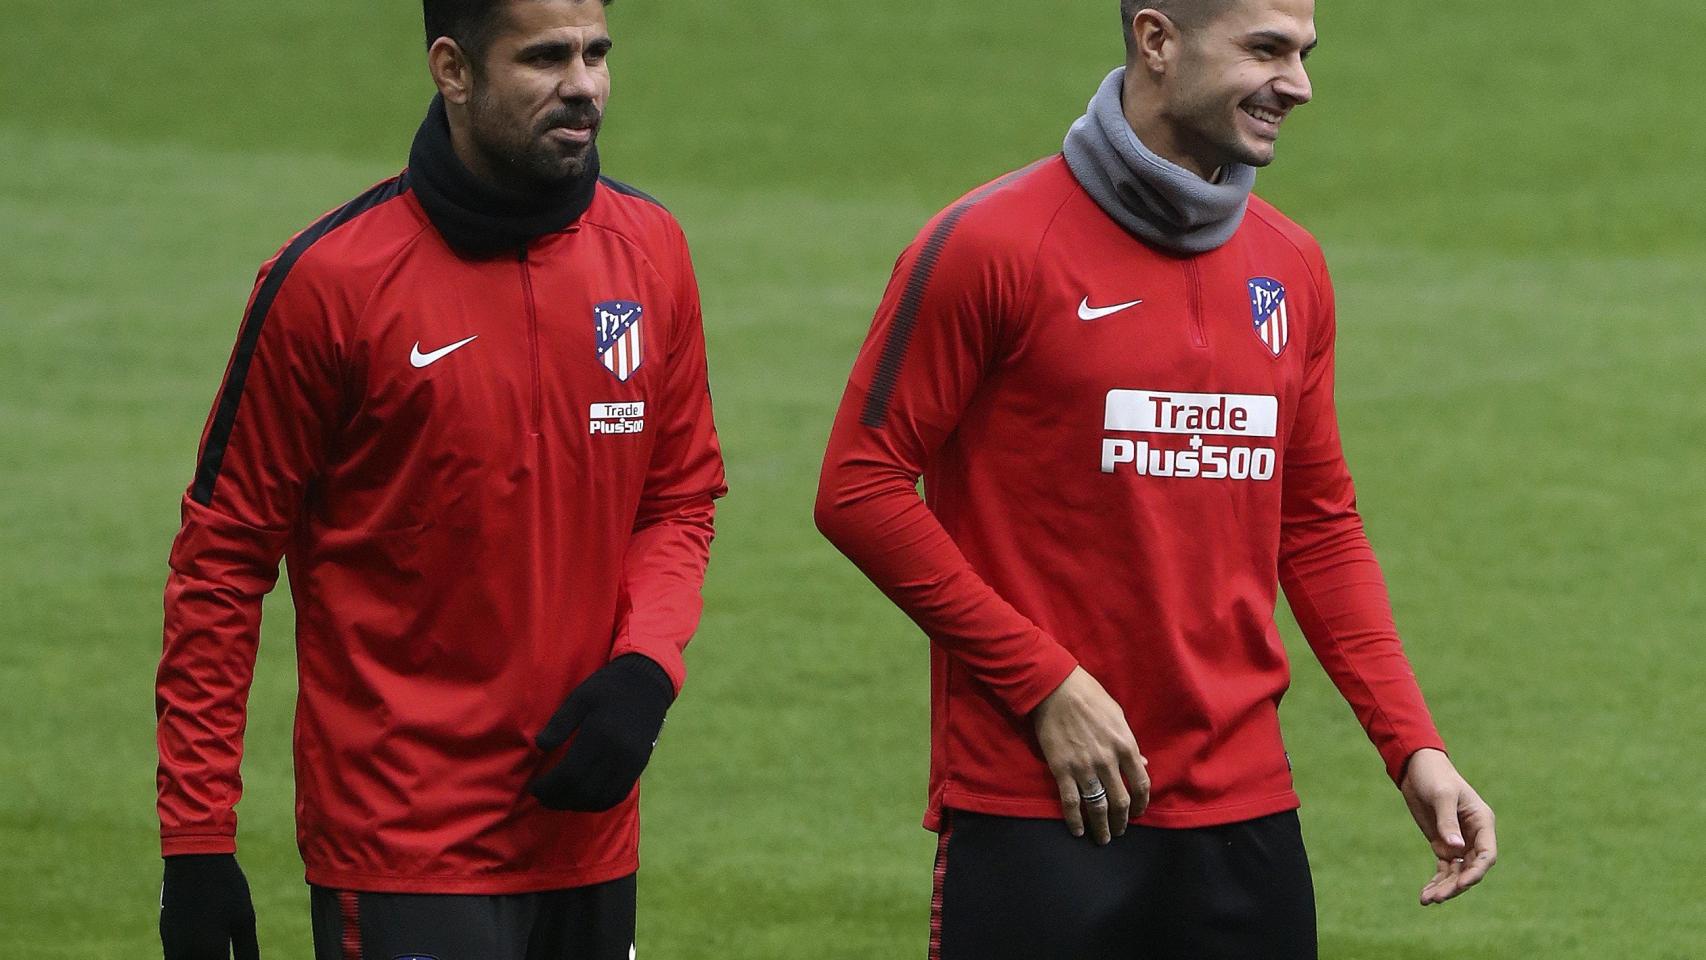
[205, 910]
[615, 715]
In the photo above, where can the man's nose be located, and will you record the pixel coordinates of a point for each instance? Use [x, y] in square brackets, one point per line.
[578, 81]
[1293, 83]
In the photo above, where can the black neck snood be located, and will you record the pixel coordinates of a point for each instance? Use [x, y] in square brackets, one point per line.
[480, 219]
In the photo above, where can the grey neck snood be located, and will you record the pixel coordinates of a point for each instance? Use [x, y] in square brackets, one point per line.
[1153, 198]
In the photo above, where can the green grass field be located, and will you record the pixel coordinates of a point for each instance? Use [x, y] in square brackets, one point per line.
[1512, 204]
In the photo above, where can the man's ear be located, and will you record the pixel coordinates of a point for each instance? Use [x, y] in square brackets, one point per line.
[452, 71]
[1156, 43]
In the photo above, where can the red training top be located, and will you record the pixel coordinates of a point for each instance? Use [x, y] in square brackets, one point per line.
[490, 477]
[1122, 450]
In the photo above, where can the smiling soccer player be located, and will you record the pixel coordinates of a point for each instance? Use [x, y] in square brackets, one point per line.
[1113, 370]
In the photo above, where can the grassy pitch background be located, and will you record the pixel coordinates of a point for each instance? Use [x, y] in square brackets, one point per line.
[1511, 203]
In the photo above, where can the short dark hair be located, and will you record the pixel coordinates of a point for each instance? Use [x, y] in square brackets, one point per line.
[1188, 14]
[471, 23]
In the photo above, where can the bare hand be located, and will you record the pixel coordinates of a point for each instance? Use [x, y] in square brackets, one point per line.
[1093, 756]
[1456, 821]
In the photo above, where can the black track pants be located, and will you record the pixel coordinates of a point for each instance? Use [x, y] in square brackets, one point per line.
[1013, 889]
[584, 923]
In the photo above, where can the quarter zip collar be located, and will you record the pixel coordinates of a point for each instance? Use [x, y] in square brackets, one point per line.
[480, 219]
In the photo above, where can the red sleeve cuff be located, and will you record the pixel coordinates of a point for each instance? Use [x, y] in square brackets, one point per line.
[1053, 664]
[198, 843]
[1397, 753]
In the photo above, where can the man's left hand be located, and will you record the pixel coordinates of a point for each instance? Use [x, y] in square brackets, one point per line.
[1456, 821]
[615, 716]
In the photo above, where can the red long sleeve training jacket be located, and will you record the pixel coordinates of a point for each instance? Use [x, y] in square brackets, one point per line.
[1124, 452]
[489, 478]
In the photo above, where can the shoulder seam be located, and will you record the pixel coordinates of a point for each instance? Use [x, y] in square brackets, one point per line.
[645, 254]
[231, 394]
[1301, 253]
[1037, 254]
[403, 248]
[889, 362]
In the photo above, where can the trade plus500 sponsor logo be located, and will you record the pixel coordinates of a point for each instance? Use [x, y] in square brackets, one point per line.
[1193, 415]
[618, 418]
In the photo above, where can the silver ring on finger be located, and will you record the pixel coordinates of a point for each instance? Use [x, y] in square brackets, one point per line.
[1094, 793]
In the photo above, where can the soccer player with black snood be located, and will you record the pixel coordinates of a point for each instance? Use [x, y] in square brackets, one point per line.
[470, 408]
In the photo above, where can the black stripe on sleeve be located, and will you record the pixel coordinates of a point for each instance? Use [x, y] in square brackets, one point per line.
[225, 412]
[912, 298]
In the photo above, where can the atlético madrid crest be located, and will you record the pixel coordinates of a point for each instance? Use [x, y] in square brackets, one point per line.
[619, 345]
[1267, 309]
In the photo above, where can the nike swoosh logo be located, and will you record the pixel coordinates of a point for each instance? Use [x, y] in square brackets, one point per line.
[420, 359]
[1087, 312]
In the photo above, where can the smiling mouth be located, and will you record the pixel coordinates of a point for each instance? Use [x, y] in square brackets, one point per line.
[1266, 116]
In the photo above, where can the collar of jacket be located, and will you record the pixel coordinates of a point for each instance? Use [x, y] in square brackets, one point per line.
[1154, 199]
[480, 219]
